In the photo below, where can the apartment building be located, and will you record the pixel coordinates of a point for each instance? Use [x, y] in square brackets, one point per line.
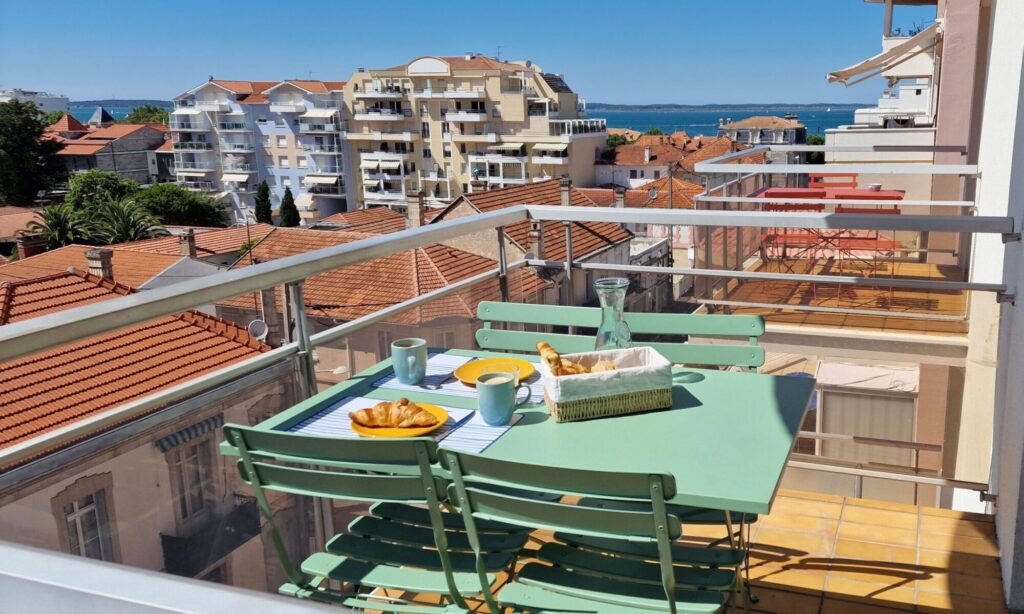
[456, 125]
[44, 101]
[124, 149]
[228, 136]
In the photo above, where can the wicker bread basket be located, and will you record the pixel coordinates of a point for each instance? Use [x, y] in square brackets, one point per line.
[643, 382]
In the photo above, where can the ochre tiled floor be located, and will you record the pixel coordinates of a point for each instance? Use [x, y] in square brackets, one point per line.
[823, 554]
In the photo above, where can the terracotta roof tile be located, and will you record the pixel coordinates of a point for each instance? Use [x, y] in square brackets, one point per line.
[375, 220]
[67, 123]
[710, 148]
[83, 147]
[165, 146]
[459, 62]
[116, 131]
[764, 121]
[361, 289]
[245, 87]
[587, 237]
[130, 267]
[320, 87]
[47, 390]
[208, 243]
[633, 155]
[15, 219]
[682, 195]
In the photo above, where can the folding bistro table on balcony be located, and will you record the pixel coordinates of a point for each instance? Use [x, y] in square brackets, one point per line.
[726, 439]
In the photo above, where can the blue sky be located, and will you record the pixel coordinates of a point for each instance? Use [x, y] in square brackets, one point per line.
[681, 51]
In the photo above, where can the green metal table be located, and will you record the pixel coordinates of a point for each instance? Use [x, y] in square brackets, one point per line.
[726, 439]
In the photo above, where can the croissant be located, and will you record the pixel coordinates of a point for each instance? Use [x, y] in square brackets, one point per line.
[603, 365]
[402, 413]
[559, 366]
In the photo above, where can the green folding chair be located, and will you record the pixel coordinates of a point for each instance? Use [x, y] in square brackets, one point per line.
[405, 543]
[601, 561]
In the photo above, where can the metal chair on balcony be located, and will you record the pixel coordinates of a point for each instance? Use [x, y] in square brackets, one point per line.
[405, 542]
[600, 559]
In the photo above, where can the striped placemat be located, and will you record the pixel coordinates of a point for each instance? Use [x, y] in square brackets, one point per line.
[440, 379]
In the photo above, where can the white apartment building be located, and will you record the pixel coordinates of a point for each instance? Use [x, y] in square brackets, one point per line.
[228, 136]
[460, 124]
[45, 101]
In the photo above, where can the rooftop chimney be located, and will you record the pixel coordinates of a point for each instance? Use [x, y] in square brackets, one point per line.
[415, 209]
[100, 263]
[469, 55]
[535, 239]
[647, 155]
[187, 244]
[564, 184]
[30, 245]
[620, 197]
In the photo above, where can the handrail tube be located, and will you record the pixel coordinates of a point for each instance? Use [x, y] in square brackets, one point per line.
[875, 168]
[56, 329]
[871, 441]
[888, 282]
[857, 470]
[835, 201]
[907, 315]
[771, 219]
[25, 450]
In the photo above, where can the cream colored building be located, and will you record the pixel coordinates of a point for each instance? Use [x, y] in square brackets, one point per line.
[455, 125]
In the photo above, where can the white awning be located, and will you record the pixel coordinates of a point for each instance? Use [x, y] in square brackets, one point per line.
[369, 164]
[551, 146]
[191, 173]
[304, 199]
[234, 177]
[185, 111]
[919, 43]
[319, 113]
[868, 377]
[321, 180]
[505, 147]
[390, 165]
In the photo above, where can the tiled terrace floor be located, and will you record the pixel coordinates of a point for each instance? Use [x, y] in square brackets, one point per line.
[822, 554]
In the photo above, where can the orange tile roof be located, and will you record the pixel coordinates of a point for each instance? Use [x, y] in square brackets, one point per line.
[708, 148]
[633, 154]
[116, 131]
[763, 121]
[587, 237]
[375, 220]
[165, 146]
[208, 243]
[459, 62]
[245, 87]
[51, 389]
[67, 123]
[361, 289]
[15, 219]
[131, 268]
[682, 194]
[629, 133]
[82, 147]
[320, 87]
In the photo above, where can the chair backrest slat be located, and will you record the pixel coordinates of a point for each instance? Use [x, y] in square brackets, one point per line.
[335, 485]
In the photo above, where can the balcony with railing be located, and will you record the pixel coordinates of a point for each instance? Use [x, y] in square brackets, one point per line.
[202, 166]
[322, 148]
[198, 186]
[191, 146]
[830, 542]
[382, 114]
[228, 147]
[213, 104]
[321, 127]
[183, 125]
[574, 127]
[240, 167]
[233, 127]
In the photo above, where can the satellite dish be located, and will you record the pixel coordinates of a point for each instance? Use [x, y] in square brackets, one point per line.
[258, 329]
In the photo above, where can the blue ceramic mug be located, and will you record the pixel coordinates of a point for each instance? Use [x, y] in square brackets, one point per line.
[496, 396]
[409, 360]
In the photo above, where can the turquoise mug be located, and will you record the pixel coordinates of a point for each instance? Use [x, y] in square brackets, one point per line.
[496, 396]
[409, 360]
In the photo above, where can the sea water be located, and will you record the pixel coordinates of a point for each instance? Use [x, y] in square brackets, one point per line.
[705, 122]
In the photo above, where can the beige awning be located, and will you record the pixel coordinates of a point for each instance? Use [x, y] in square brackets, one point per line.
[319, 113]
[321, 180]
[234, 177]
[304, 199]
[551, 146]
[185, 111]
[191, 173]
[505, 147]
[919, 43]
[390, 165]
[369, 164]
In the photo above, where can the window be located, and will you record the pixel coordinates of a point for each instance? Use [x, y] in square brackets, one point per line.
[447, 151]
[384, 339]
[425, 129]
[462, 148]
[286, 182]
[427, 154]
[657, 174]
[282, 141]
[266, 140]
[192, 476]
[496, 110]
[302, 161]
[424, 109]
[632, 173]
[85, 518]
[446, 339]
[284, 162]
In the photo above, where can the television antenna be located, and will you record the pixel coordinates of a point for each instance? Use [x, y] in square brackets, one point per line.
[497, 55]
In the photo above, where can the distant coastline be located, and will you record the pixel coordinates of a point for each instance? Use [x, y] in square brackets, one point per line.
[118, 102]
[769, 107]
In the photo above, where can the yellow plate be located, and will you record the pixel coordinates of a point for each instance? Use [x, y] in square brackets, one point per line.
[367, 431]
[473, 369]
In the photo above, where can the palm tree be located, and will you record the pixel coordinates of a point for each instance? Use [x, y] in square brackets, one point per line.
[121, 221]
[62, 225]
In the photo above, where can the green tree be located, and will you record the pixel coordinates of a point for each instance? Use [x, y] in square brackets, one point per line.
[52, 117]
[121, 221]
[654, 131]
[289, 212]
[263, 211]
[62, 225]
[172, 204]
[815, 157]
[614, 140]
[146, 114]
[28, 162]
[93, 188]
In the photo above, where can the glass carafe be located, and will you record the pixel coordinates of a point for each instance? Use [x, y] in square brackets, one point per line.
[613, 333]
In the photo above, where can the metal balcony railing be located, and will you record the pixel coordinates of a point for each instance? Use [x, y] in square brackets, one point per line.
[191, 146]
